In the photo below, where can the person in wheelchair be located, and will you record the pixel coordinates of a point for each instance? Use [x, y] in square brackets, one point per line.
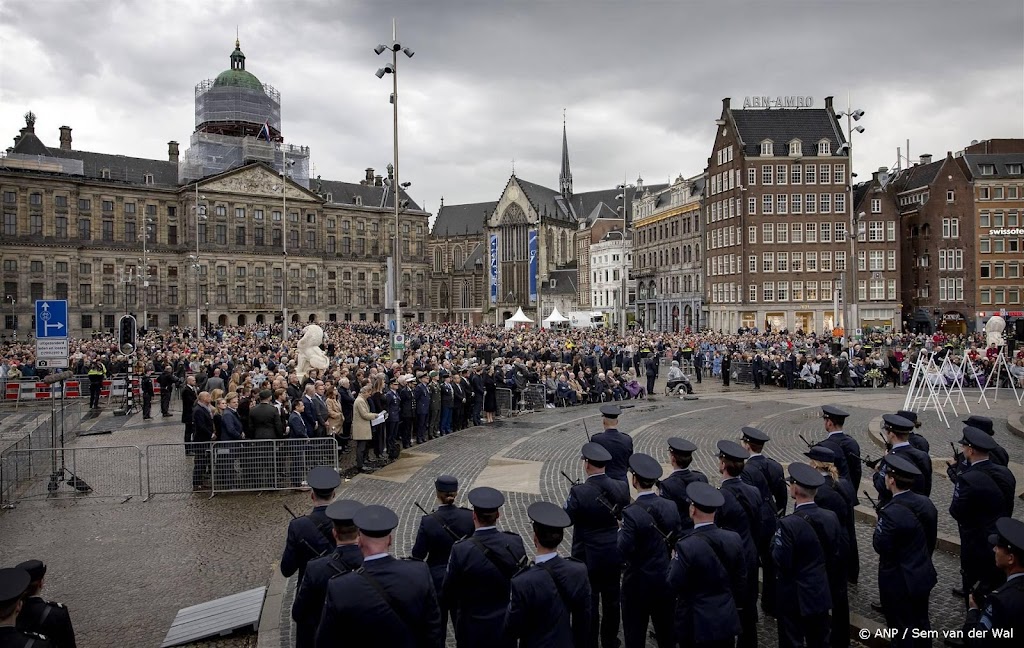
[677, 379]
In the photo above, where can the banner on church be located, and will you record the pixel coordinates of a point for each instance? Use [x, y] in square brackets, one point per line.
[534, 261]
[494, 269]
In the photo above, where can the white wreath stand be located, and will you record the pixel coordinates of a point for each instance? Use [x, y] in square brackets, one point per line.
[927, 377]
[1000, 368]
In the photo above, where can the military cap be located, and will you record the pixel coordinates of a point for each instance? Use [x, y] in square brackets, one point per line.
[897, 423]
[645, 466]
[805, 476]
[977, 439]
[486, 498]
[753, 434]
[446, 484]
[1009, 535]
[677, 444]
[433, 374]
[820, 453]
[343, 510]
[907, 414]
[983, 423]
[323, 478]
[13, 584]
[36, 569]
[732, 450]
[704, 496]
[375, 521]
[444, 373]
[393, 381]
[422, 374]
[546, 514]
[901, 465]
[596, 452]
[834, 413]
[611, 411]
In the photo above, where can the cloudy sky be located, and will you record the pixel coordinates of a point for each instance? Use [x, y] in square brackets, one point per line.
[641, 82]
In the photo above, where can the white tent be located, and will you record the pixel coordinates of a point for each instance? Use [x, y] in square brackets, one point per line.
[554, 318]
[519, 318]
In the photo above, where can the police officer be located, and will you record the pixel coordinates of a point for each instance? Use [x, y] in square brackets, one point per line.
[619, 445]
[14, 583]
[837, 496]
[476, 584]
[650, 528]
[593, 507]
[904, 540]
[897, 430]
[549, 603]
[982, 493]
[309, 598]
[803, 595]
[146, 386]
[673, 487]
[386, 602]
[311, 536]
[846, 449]
[1003, 609]
[708, 575]
[741, 513]
[998, 455]
[767, 475]
[41, 616]
[439, 531]
[916, 439]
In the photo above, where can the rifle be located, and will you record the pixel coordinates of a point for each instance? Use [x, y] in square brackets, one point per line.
[520, 563]
[888, 446]
[979, 595]
[443, 524]
[875, 505]
[809, 444]
[614, 509]
[572, 481]
[316, 554]
[585, 430]
[870, 463]
[957, 456]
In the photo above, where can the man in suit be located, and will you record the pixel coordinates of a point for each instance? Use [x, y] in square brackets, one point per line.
[38, 615]
[189, 396]
[480, 569]
[618, 445]
[757, 370]
[422, 407]
[1003, 609]
[549, 604]
[297, 434]
[386, 602]
[267, 426]
[673, 487]
[650, 528]
[166, 382]
[227, 449]
[897, 430]
[310, 413]
[479, 391]
[202, 433]
[594, 507]
[651, 363]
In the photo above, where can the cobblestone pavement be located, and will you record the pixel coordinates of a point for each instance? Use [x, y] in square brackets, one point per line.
[126, 568]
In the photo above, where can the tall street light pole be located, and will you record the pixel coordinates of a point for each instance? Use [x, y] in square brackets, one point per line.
[624, 294]
[200, 215]
[852, 321]
[285, 165]
[14, 321]
[392, 69]
[147, 223]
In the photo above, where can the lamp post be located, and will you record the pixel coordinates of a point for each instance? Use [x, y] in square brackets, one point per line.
[14, 318]
[200, 216]
[285, 166]
[147, 223]
[392, 69]
[852, 116]
[625, 269]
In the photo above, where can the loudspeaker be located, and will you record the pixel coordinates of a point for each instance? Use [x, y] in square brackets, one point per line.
[1018, 326]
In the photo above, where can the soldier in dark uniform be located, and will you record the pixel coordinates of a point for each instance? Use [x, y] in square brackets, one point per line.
[741, 513]
[982, 493]
[592, 506]
[904, 540]
[422, 394]
[476, 585]
[309, 598]
[458, 401]
[673, 487]
[708, 575]
[916, 439]
[146, 386]
[767, 475]
[386, 602]
[434, 428]
[13, 585]
[618, 444]
[41, 616]
[550, 600]
[803, 595]
[650, 528]
[897, 429]
[998, 455]
[1003, 609]
[846, 449]
[311, 536]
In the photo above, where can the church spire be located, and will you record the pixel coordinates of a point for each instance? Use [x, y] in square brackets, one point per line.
[565, 177]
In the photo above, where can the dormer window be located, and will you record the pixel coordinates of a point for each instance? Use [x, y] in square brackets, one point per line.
[796, 148]
[148, 178]
[105, 174]
[987, 169]
[824, 147]
[1013, 169]
[766, 148]
[554, 283]
[359, 201]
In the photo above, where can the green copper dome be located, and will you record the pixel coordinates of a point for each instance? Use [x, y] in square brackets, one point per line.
[237, 76]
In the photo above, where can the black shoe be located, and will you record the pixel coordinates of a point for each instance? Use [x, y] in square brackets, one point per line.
[876, 606]
[959, 592]
[147, 418]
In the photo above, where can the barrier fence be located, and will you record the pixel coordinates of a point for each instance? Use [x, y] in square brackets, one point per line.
[503, 396]
[28, 390]
[111, 471]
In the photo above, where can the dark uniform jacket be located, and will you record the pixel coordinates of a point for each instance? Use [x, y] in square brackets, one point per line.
[309, 537]
[404, 613]
[595, 529]
[48, 619]
[837, 496]
[621, 448]
[550, 605]
[1004, 609]
[774, 479]
[709, 578]
[919, 442]
[673, 488]
[982, 494]
[422, 396]
[14, 638]
[476, 586]
[642, 542]
[434, 545]
[904, 540]
[406, 403]
[802, 583]
[265, 422]
[741, 513]
[921, 460]
[847, 452]
[309, 598]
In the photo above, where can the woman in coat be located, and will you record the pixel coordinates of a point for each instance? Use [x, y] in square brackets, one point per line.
[490, 394]
[361, 431]
[334, 416]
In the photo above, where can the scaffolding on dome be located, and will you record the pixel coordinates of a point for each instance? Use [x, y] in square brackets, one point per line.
[234, 104]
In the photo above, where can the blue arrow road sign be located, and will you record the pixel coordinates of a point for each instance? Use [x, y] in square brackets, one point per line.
[51, 318]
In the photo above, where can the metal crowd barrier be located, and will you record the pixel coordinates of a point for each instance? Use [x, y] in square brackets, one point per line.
[504, 397]
[34, 389]
[29, 473]
[743, 372]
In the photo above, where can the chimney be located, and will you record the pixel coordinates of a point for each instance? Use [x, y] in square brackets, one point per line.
[369, 176]
[378, 180]
[926, 158]
[172, 151]
[65, 138]
[828, 104]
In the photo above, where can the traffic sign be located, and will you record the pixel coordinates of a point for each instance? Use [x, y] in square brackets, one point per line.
[51, 363]
[52, 352]
[51, 318]
[398, 342]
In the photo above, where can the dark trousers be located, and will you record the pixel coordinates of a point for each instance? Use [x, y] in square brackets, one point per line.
[756, 374]
[697, 371]
[394, 446]
[840, 633]
[789, 379]
[200, 464]
[726, 371]
[165, 402]
[604, 620]
[809, 630]
[296, 451]
[767, 581]
[650, 384]
[405, 428]
[147, 404]
[94, 393]
[379, 437]
[905, 612]
[362, 447]
[642, 604]
[434, 427]
[446, 420]
[478, 405]
[421, 427]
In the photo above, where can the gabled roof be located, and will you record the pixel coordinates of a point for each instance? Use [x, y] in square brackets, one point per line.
[549, 203]
[1000, 162]
[344, 193]
[565, 280]
[122, 167]
[784, 125]
[475, 258]
[462, 220]
[30, 144]
[602, 210]
[917, 177]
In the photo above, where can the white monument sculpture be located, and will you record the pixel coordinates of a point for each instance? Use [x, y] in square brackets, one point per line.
[994, 331]
[309, 354]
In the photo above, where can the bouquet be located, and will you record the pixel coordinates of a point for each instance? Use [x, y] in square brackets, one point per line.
[874, 376]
